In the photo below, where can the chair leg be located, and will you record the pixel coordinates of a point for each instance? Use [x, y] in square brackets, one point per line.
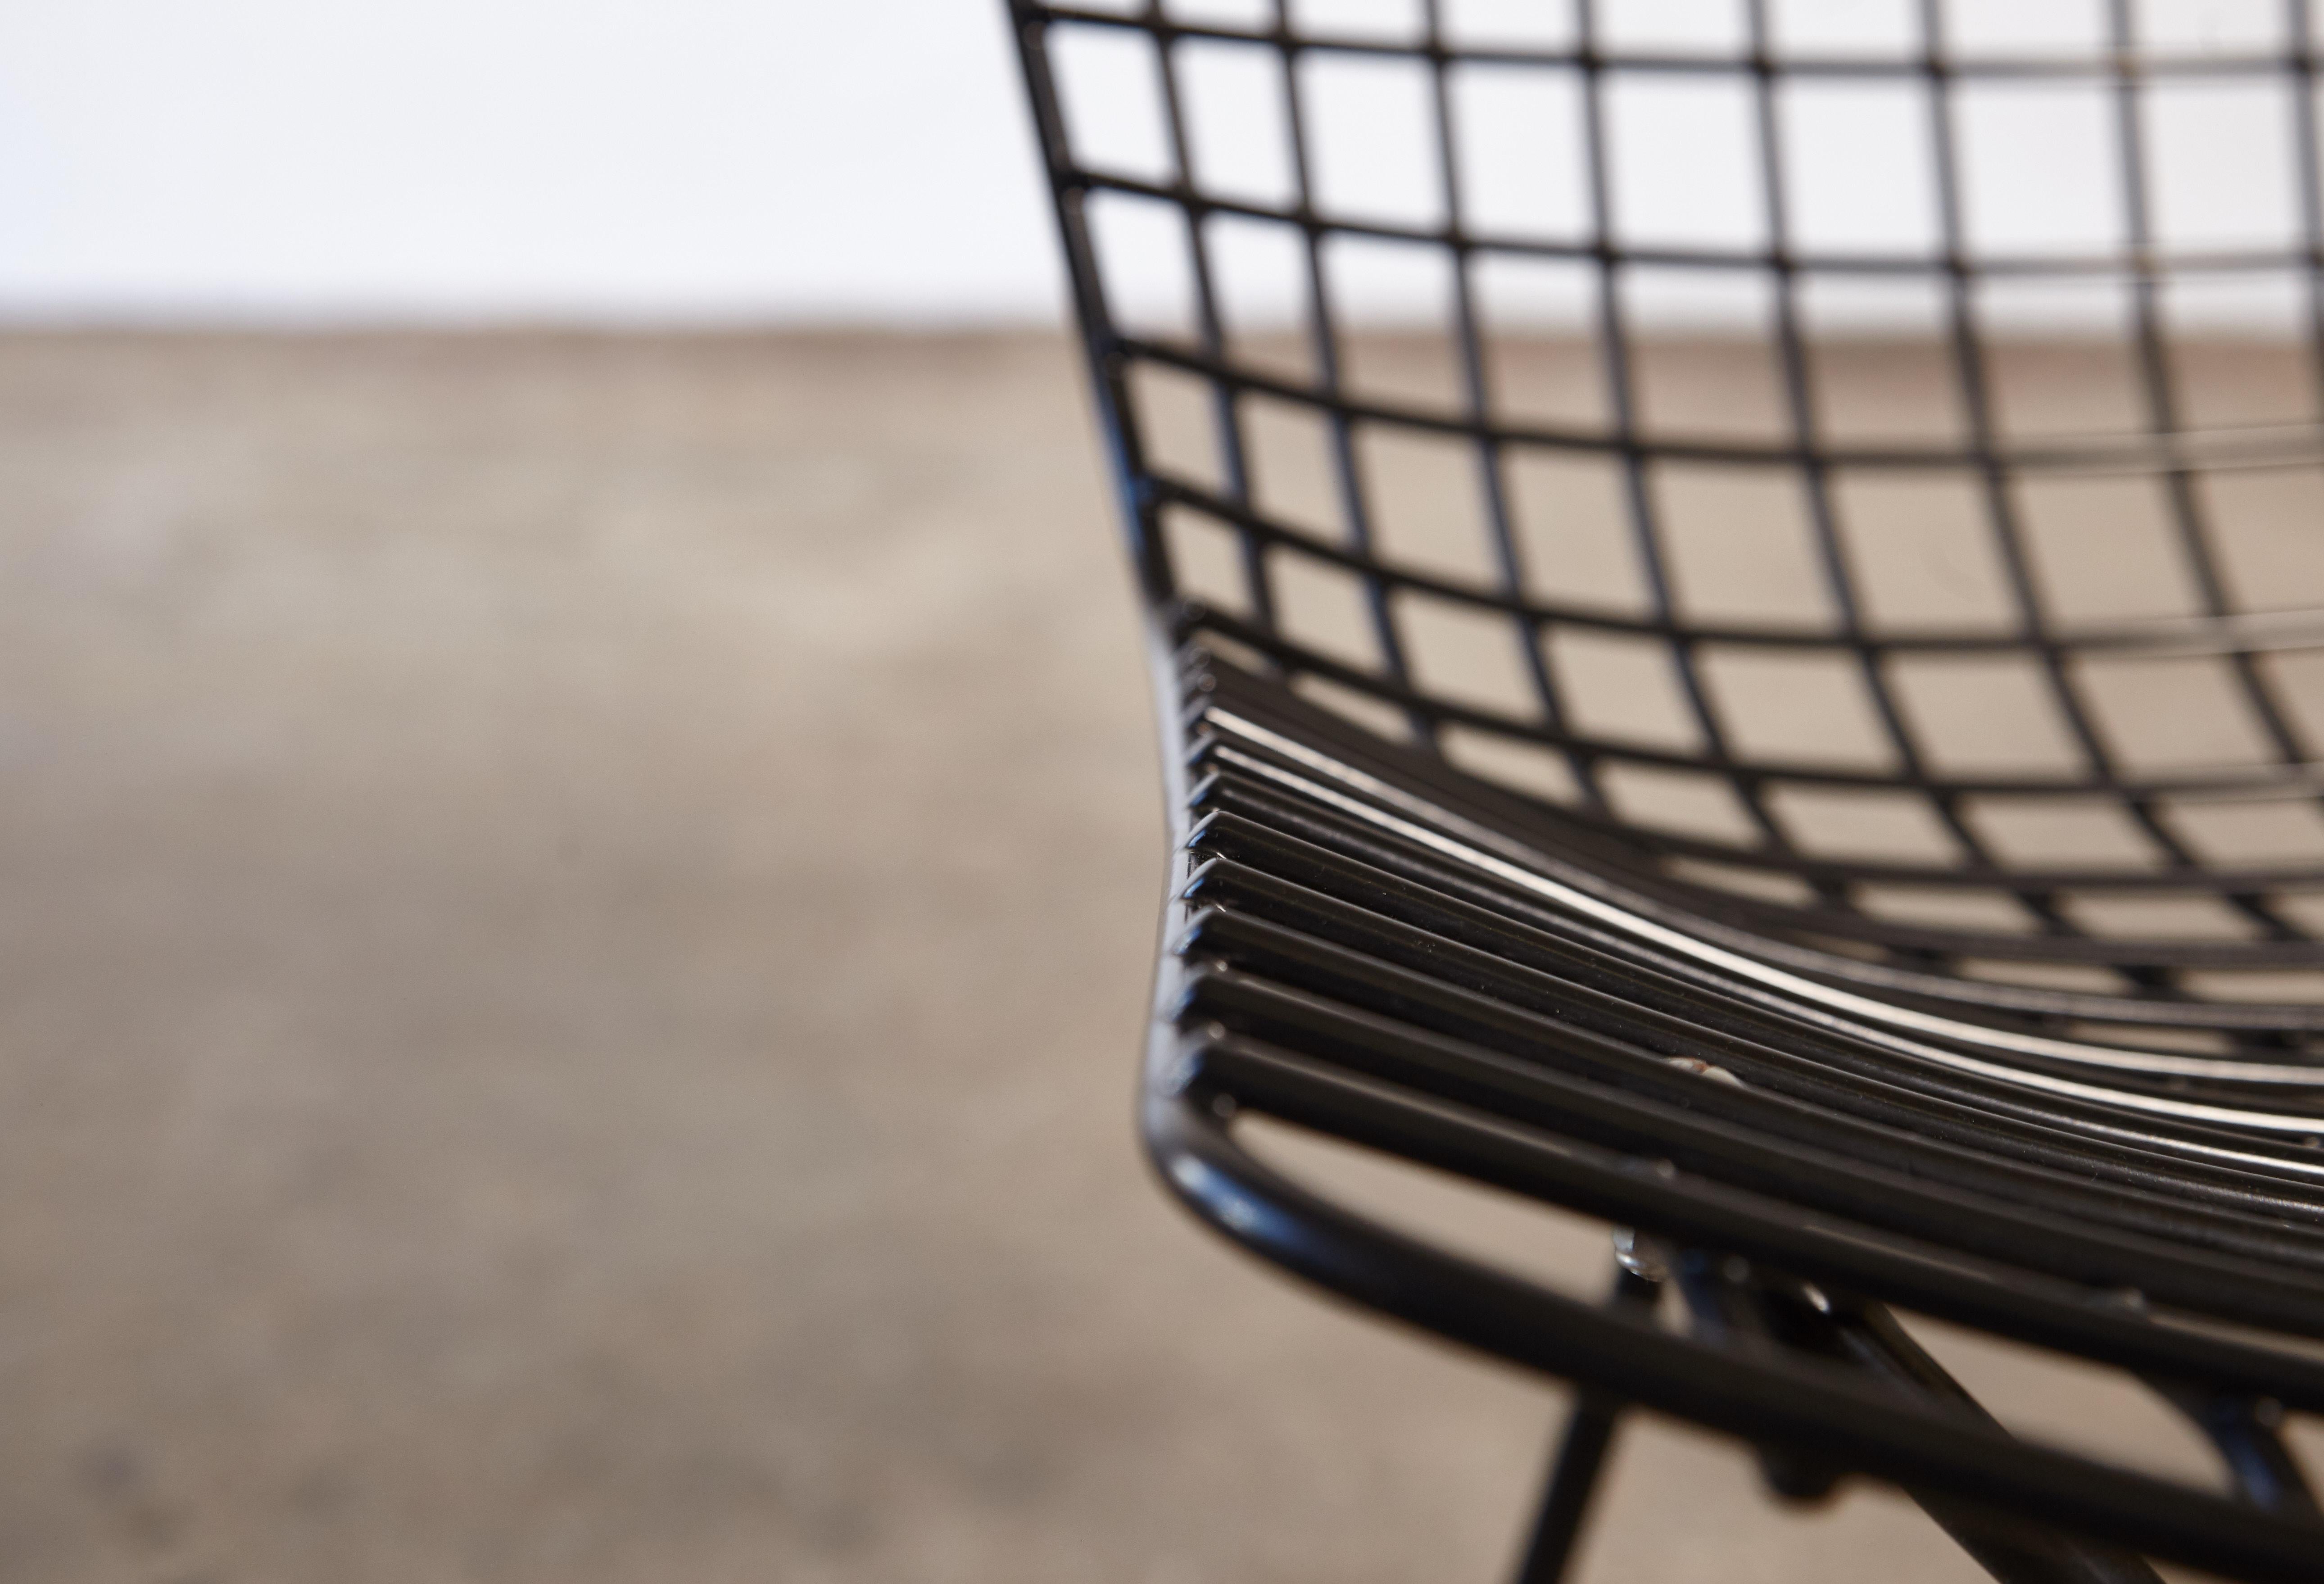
[1580, 1458]
[2012, 1550]
[1731, 1303]
[1565, 1500]
[2245, 1432]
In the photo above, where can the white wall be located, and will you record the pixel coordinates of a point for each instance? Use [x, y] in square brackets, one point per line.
[653, 159]
[869, 160]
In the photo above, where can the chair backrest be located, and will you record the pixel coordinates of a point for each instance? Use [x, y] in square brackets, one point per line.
[1859, 465]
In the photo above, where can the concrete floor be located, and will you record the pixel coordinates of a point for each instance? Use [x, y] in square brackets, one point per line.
[576, 914]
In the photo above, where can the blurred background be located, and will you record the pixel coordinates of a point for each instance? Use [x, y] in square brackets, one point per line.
[581, 844]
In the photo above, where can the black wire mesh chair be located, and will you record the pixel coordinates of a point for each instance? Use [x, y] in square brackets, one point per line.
[1739, 615]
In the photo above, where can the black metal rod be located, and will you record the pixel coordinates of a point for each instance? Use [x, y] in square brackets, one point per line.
[1573, 1475]
[1580, 1456]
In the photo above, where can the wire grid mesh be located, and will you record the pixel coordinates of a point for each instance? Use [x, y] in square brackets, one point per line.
[1864, 461]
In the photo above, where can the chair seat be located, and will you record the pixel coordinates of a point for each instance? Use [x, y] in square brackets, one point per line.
[1368, 943]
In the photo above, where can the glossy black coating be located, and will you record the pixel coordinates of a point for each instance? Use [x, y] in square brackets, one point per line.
[1814, 1110]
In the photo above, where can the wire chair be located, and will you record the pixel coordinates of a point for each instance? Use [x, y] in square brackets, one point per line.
[1737, 597]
